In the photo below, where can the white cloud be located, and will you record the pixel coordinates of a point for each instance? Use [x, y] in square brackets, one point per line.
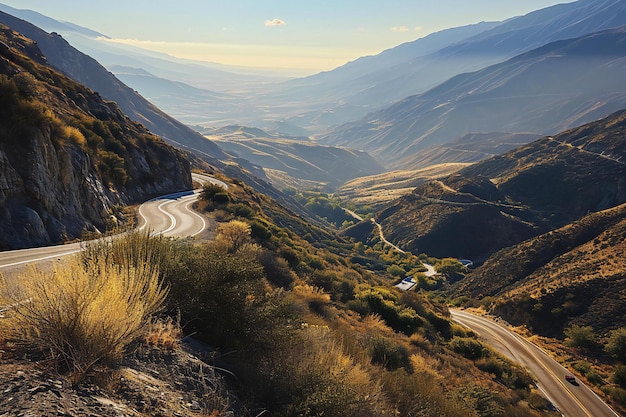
[405, 29]
[275, 22]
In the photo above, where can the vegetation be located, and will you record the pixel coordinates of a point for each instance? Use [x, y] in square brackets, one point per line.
[84, 314]
[306, 331]
[325, 207]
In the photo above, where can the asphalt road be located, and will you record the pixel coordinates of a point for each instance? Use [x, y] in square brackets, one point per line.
[572, 400]
[170, 215]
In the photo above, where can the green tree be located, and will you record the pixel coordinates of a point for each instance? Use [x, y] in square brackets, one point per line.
[580, 336]
[451, 268]
[616, 344]
[619, 376]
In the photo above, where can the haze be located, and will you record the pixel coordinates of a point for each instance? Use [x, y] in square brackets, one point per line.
[294, 37]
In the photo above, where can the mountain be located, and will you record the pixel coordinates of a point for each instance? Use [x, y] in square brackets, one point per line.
[544, 91]
[512, 197]
[572, 275]
[186, 103]
[298, 158]
[69, 160]
[462, 50]
[89, 72]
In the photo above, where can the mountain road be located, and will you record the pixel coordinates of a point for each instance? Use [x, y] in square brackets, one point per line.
[572, 399]
[170, 215]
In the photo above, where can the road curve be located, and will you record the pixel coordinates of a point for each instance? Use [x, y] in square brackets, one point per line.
[170, 215]
[571, 400]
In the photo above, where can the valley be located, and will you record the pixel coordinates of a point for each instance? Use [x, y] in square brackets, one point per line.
[270, 219]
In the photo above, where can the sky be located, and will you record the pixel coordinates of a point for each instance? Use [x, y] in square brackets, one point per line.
[296, 36]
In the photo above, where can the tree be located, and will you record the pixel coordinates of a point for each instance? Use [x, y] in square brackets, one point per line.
[616, 344]
[450, 267]
[580, 336]
[209, 191]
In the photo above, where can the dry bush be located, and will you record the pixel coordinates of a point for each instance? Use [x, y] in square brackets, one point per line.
[85, 314]
[233, 236]
[163, 333]
[325, 381]
[314, 298]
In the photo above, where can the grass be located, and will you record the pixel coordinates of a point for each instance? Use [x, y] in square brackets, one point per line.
[84, 313]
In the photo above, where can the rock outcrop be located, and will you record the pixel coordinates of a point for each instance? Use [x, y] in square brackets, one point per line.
[69, 161]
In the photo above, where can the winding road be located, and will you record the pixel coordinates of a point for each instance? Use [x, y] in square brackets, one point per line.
[170, 215]
[572, 400]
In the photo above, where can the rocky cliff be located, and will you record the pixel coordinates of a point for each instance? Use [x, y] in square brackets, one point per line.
[68, 159]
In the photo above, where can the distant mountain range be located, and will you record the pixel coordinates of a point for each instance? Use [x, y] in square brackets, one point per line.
[544, 91]
[512, 82]
[416, 67]
[326, 166]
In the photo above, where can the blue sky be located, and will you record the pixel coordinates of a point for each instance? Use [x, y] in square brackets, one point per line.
[302, 36]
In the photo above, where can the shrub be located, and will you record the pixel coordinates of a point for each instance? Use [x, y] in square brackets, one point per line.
[316, 378]
[619, 395]
[616, 344]
[209, 190]
[163, 333]
[420, 394]
[86, 314]
[580, 336]
[619, 376]
[277, 270]
[232, 236]
[389, 354]
[468, 347]
[241, 210]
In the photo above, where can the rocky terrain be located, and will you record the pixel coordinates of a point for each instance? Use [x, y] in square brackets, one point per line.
[69, 160]
[151, 381]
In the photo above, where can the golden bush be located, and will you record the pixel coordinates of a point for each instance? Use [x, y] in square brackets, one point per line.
[84, 314]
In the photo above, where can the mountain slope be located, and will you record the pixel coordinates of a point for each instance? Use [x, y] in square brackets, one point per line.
[512, 197]
[69, 161]
[573, 275]
[89, 72]
[298, 158]
[547, 90]
[491, 43]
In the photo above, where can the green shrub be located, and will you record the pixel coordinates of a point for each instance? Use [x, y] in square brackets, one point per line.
[214, 193]
[619, 376]
[389, 354]
[468, 347]
[580, 336]
[619, 395]
[616, 344]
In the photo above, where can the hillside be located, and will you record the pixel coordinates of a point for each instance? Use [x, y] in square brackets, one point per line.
[70, 161]
[572, 275]
[544, 91]
[376, 190]
[299, 158]
[87, 71]
[509, 198]
[294, 323]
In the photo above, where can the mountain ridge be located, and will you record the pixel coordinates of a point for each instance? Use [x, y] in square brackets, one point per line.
[512, 197]
[540, 92]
